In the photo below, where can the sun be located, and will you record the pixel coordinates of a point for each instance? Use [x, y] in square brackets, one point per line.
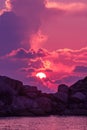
[41, 75]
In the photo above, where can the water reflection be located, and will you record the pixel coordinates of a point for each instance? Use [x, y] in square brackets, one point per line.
[44, 123]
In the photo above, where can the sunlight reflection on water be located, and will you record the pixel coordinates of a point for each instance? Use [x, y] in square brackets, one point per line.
[44, 123]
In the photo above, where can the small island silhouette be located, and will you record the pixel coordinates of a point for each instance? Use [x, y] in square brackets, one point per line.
[17, 99]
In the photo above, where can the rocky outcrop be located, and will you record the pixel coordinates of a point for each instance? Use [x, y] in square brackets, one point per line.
[17, 99]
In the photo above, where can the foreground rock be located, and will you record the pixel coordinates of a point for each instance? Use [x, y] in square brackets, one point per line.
[17, 99]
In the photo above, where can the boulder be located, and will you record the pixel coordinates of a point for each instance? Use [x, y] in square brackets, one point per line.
[45, 104]
[23, 103]
[1, 104]
[63, 88]
[38, 112]
[6, 93]
[62, 97]
[58, 108]
[79, 86]
[78, 97]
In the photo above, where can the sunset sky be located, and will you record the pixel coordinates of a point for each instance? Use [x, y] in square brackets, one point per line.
[47, 36]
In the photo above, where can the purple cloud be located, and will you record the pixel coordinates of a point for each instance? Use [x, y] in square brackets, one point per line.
[10, 36]
[80, 69]
[21, 53]
[69, 79]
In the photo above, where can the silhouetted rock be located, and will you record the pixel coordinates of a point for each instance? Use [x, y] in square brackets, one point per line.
[17, 99]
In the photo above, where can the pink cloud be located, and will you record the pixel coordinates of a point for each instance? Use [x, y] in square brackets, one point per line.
[5, 6]
[8, 5]
[72, 6]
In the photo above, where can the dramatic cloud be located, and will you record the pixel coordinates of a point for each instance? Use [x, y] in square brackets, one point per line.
[60, 66]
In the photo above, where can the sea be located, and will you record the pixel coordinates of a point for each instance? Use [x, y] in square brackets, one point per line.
[44, 123]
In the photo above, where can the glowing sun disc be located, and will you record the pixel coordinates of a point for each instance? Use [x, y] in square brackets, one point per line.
[41, 75]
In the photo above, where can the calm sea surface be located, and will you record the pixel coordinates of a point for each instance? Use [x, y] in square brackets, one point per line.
[44, 123]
